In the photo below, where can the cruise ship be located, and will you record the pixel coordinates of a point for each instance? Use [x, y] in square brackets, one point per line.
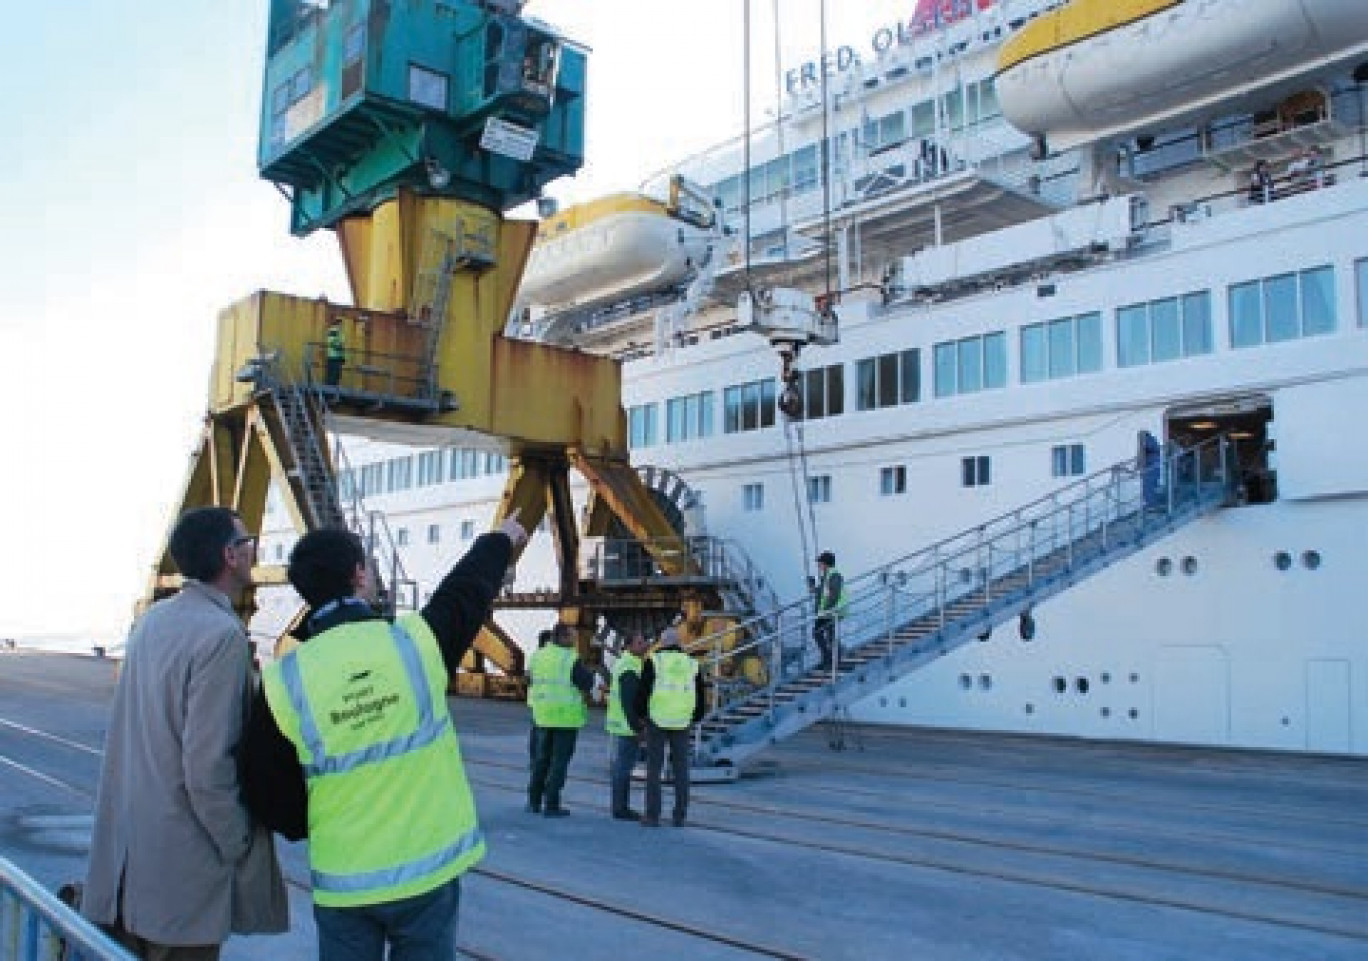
[1038, 235]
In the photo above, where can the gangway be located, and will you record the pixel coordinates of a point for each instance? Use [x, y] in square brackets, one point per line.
[35, 925]
[907, 613]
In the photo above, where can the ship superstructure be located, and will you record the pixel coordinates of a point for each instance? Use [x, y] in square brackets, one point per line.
[1018, 307]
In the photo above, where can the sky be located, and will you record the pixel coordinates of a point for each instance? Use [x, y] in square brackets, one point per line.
[132, 214]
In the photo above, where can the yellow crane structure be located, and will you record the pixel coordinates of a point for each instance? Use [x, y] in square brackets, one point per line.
[414, 185]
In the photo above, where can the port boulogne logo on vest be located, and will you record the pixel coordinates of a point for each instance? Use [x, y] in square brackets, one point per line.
[363, 706]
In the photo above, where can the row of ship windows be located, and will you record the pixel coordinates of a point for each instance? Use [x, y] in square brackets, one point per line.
[430, 467]
[800, 170]
[1066, 460]
[1265, 311]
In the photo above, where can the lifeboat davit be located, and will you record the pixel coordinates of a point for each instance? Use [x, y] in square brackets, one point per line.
[611, 250]
[1098, 69]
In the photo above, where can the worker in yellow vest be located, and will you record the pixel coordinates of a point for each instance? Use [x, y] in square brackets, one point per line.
[336, 350]
[559, 685]
[670, 698]
[624, 725]
[352, 745]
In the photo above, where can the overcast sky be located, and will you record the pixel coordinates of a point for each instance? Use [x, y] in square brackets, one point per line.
[133, 214]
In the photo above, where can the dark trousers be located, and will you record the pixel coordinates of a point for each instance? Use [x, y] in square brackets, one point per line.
[656, 739]
[622, 757]
[332, 371]
[417, 929]
[555, 747]
[824, 633]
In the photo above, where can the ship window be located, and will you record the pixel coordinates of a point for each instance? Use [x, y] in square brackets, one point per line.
[888, 380]
[893, 480]
[468, 530]
[923, 119]
[819, 489]
[1163, 330]
[976, 471]
[1284, 307]
[1361, 269]
[1061, 348]
[401, 473]
[806, 172]
[823, 391]
[434, 534]
[1068, 460]
[641, 425]
[753, 497]
[748, 406]
[689, 417]
[401, 536]
[971, 364]
[430, 467]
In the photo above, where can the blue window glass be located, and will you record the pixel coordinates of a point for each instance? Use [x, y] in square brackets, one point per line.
[1034, 356]
[1061, 348]
[1166, 339]
[995, 360]
[1318, 301]
[1089, 335]
[945, 363]
[970, 365]
[1280, 308]
[1197, 324]
[1246, 315]
[1132, 336]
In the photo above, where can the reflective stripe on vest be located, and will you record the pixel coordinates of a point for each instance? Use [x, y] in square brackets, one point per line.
[616, 721]
[554, 699]
[337, 345]
[360, 852]
[673, 694]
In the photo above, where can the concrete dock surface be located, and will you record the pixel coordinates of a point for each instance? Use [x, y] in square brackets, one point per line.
[845, 842]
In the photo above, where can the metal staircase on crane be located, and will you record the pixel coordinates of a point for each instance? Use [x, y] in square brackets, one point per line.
[906, 614]
[296, 414]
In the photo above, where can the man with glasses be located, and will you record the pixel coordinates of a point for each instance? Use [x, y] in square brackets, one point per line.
[175, 861]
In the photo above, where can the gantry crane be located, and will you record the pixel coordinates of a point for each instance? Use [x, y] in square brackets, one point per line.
[409, 129]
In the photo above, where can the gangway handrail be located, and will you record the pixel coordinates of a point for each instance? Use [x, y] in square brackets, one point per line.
[35, 924]
[973, 568]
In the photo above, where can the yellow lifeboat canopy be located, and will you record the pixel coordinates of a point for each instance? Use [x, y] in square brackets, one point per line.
[612, 249]
[1099, 69]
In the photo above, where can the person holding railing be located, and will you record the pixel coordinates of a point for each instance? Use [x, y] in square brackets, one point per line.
[336, 354]
[1151, 461]
[831, 606]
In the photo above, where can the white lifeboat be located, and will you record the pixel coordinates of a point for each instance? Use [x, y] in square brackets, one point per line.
[1096, 69]
[612, 249]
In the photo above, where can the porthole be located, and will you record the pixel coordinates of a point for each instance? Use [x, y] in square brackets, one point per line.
[1282, 560]
[1133, 714]
[1060, 685]
[985, 682]
[1105, 678]
[1134, 678]
[1311, 560]
[1081, 685]
[1189, 565]
[883, 702]
[966, 681]
[1163, 567]
[1030, 708]
[1106, 712]
[902, 702]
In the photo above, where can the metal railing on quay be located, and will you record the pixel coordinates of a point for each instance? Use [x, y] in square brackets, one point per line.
[37, 926]
[1002, 559]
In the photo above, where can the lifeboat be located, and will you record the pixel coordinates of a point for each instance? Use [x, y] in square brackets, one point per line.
[1098, 69]
[613, 249]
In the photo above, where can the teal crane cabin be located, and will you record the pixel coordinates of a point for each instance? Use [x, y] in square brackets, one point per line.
[452, 98]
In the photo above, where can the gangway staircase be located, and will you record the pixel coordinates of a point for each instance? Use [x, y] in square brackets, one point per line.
[907, 613]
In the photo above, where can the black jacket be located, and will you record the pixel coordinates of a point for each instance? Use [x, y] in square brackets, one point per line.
[642, 712]
[273, 784]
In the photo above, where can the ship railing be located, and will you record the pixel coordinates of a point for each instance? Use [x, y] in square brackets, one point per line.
[35, 925]
[914, 598]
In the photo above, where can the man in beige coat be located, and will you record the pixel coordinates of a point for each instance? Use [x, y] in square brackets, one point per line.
[175, 862]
